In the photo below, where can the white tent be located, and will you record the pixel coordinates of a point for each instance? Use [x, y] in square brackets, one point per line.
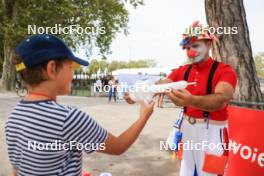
[144, 71]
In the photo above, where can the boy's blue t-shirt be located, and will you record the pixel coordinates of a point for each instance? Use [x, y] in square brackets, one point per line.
[45, 138]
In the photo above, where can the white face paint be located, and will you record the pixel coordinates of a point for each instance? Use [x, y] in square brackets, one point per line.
[201, 50]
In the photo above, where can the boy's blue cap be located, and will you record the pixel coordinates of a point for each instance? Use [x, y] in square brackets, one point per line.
[37, 49]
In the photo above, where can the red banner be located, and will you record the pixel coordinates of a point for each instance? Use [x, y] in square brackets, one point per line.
[246, 136]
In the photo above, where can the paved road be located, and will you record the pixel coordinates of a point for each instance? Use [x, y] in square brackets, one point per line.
[144, 158]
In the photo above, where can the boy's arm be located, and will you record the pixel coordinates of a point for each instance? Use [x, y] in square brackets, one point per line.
[79, 128]
[118, 145]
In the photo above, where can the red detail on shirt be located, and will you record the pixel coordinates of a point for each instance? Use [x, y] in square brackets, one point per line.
[199, 74]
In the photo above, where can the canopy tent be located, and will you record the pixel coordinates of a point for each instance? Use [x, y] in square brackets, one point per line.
[144, 71]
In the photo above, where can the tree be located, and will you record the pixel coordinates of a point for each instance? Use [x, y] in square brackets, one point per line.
[143, 63]
[259, 61]
[105, 18]
[96, 65]
[1, 55]
[235, 49]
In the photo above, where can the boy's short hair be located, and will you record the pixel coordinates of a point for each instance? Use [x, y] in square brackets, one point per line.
[36, 74]
[34, 52]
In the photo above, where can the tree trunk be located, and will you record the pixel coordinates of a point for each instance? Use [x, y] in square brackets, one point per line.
[9, 73]
[235, 49]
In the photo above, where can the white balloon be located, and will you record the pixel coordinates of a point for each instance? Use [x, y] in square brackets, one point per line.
[145, 90]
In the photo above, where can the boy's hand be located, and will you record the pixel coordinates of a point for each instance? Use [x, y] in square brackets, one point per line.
[160, 99]
[128, 99]
[146, 109]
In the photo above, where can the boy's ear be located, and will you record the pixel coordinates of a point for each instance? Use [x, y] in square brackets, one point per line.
[51, 69]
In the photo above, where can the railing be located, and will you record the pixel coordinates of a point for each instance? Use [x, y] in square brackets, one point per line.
[247, 103]
[253, 105]
[81, 85]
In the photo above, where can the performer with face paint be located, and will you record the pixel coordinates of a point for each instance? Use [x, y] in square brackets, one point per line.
[205, 104]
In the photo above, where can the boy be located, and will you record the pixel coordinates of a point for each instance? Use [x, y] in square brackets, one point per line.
[46, 66]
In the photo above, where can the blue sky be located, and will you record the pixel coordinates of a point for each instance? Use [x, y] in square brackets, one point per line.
[155, 30]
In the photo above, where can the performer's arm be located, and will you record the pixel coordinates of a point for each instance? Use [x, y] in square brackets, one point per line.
[223, 93]
[164, 81]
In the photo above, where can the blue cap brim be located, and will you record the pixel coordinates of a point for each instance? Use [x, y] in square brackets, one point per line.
[79, 60]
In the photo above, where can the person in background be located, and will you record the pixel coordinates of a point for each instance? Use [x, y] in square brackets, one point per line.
[98, 86]
[112, 89]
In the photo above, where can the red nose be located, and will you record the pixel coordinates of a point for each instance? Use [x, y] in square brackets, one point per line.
[192, 53]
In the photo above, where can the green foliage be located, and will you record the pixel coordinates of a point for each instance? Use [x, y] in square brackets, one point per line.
[102, 65]
[16, 15]
[259, 62]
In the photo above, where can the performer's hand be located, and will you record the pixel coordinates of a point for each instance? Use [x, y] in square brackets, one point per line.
[180, 97]
[128, 99]
[146, 109]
